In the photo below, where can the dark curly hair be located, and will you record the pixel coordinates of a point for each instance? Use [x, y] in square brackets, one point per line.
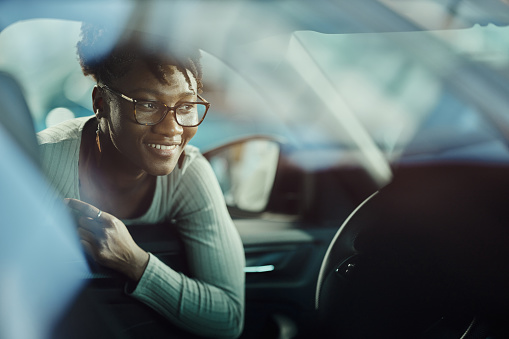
[106, 57]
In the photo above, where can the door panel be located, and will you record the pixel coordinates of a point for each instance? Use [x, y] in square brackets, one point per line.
[280, 300]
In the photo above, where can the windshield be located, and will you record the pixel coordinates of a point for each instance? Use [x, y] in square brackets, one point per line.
[369, 98]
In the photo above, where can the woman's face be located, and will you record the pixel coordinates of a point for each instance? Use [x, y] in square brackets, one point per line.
[154, 149]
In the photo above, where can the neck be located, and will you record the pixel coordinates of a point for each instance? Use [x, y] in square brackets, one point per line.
[112, 171]
[109, 182]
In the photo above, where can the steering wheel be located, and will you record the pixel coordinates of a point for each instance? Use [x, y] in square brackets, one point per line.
[427, 256]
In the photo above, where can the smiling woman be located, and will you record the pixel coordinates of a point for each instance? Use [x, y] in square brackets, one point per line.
[359, 95]
[132, 164]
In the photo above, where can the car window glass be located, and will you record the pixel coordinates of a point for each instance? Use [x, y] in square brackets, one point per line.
[46, 65]
[260, 88]
[399, 95]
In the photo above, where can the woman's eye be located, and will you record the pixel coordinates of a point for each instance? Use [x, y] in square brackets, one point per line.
[148, 105]
[186, 108]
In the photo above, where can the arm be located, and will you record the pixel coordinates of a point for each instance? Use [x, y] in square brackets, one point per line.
[211, 303]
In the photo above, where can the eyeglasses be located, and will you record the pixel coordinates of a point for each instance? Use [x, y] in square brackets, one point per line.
[186, 114]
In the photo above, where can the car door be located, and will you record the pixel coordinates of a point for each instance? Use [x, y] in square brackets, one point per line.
[286, 236]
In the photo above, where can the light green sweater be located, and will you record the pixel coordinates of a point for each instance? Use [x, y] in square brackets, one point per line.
[211, 303]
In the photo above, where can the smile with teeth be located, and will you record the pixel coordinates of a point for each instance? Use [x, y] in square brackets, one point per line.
[163, 147]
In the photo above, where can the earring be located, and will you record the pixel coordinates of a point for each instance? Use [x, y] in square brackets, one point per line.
[97, 140]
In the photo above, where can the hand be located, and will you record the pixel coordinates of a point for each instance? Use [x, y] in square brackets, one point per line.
[107, 240]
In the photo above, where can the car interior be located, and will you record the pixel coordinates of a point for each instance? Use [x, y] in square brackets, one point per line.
[368, 207]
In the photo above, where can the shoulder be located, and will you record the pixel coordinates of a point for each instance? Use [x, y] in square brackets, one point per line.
[192, 159]
[196, 178]
[194, 175]
[65, 131]
[59, 151]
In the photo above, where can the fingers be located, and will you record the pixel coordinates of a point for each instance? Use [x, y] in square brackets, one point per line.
[91, 224]
[90, 229]
[90, 243]
[89, 248]
[93, 238]
[84, 208]
[106, 239]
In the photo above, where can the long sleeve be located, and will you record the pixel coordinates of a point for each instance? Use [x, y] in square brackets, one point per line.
[208, 302]
[211, 301]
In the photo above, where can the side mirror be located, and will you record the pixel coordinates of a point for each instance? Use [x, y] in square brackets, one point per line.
[246, 170]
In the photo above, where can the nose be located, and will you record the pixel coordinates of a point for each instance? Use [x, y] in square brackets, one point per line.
[168, 126]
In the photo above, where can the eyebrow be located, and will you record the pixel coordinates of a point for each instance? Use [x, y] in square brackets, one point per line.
[157, 93]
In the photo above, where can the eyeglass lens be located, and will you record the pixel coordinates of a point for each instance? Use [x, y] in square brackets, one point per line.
[188, 114]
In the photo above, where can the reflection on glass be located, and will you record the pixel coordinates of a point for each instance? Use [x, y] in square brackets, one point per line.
[246, 172]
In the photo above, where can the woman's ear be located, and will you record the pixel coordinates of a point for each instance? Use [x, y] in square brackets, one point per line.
[98, 102]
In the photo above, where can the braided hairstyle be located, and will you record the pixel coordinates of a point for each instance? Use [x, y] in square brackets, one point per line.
[107, 58]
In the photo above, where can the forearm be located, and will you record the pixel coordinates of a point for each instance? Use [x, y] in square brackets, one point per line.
[193, 305]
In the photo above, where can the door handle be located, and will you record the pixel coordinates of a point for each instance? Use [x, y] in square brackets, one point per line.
[259, 269]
